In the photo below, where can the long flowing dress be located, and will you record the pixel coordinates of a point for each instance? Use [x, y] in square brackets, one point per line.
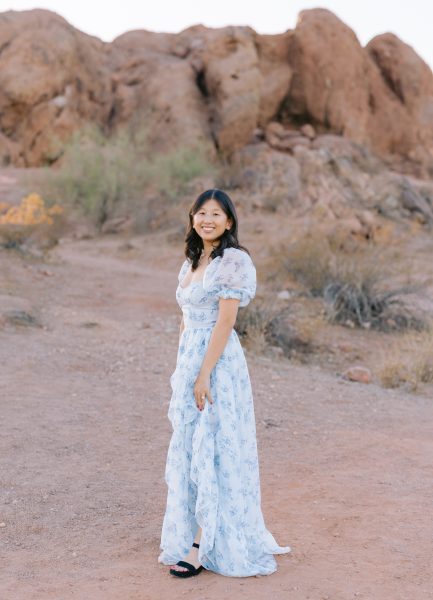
[212, 469]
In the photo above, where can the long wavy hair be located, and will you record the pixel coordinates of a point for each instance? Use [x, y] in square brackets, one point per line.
[229, 239]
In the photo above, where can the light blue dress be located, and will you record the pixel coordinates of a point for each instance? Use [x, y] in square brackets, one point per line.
[212, 469]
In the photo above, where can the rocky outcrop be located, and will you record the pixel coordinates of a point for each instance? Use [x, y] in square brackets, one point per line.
[268, 176]
[380, 96]
[53, 79]
[330, 67]
[229, 69]
[336, 182]
[217, 87]
[153, 84]
[403, 125]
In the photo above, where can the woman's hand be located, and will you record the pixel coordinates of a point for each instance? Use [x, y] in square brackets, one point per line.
[202, 390]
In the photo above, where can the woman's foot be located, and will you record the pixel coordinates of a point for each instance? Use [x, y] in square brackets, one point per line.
[192, 558]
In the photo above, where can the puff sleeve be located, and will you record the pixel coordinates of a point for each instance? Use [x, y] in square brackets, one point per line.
[183, 270]
[234, 276]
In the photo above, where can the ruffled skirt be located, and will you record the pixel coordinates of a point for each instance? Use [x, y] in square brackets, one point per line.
[212, 469]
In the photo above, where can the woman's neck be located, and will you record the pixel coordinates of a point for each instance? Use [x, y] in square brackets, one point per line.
[207, 251]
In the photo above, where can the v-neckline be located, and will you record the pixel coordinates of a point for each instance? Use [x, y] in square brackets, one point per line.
[198, 280]
[190, 284]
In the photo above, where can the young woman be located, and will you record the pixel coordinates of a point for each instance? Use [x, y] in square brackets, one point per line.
[213, 518]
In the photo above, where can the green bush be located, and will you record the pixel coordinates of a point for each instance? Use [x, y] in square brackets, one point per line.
[101, 176]
[97, 174]
[172, 172]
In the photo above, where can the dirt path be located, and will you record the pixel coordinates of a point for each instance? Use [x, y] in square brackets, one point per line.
[346, 469]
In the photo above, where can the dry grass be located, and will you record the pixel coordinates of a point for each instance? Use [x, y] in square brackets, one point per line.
[408, 362]
[308, 260]
[356, 282]
[365, 304]
[253, 322]
[294, 335]
[271, 322]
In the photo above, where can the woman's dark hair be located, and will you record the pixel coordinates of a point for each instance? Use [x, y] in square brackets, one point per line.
[229, 239]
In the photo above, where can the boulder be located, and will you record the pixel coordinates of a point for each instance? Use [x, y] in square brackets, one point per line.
[155, 85]
[232, 82]
[308, 130]
[281, 138]
[357, 373]
[276, 74]
[328, 86]
[52, 80]
[401, 116]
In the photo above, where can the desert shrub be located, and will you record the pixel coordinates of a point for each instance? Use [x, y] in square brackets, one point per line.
[292, 336]
[102, 175]
[267, 323]
[308, 260]
[172, 172]
[96, 173]
[356, 286]
[31, 218]
[408, 361]
[365, 304]
[254, 322]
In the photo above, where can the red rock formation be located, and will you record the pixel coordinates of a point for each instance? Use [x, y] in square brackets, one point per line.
[152, 78]
[330, 68]
[216, 86]
[410, 83]
[381, 96]
[53, 79]
[276, 74]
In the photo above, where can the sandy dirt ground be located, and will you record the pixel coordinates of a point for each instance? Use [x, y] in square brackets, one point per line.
[346, 468]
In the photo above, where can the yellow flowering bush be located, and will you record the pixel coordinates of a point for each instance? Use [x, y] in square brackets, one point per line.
[17, 223]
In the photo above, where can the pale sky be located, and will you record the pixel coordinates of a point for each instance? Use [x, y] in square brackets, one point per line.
[411, 21]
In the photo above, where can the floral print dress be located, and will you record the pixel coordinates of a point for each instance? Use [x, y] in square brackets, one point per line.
[212, 469]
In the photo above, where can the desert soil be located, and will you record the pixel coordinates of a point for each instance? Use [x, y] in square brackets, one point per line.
[346, 468]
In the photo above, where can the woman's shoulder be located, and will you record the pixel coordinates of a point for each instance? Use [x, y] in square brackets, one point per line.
[237, 252]
[238, 255]
[235, 260]
[183, 268]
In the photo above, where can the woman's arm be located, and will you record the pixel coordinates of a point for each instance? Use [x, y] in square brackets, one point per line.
[228, 309]
[227, 313]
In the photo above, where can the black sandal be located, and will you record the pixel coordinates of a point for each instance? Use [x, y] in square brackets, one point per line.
[191, 569]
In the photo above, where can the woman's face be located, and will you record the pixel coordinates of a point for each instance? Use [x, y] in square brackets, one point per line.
[210, 221]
